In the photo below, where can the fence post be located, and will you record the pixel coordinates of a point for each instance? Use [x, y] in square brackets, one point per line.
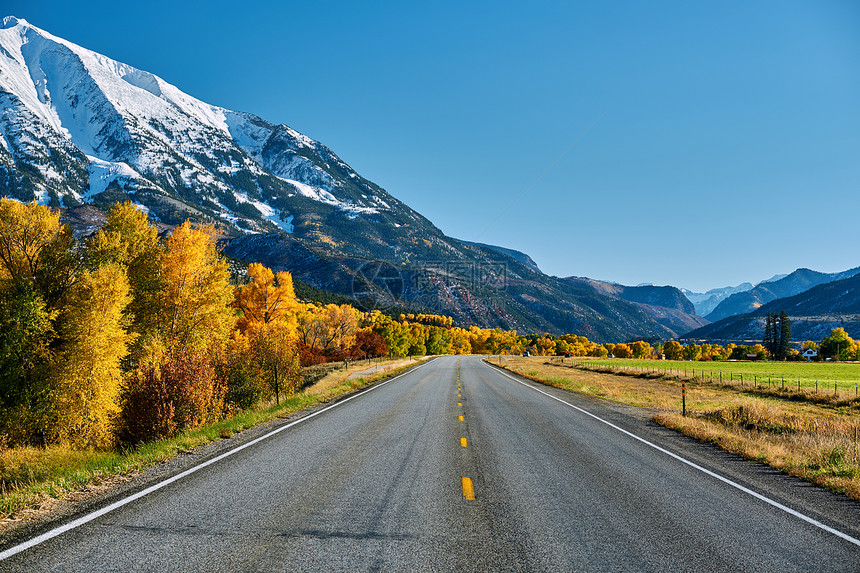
[683, 398]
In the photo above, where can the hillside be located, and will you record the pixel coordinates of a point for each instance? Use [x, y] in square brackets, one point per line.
[813, 314]
[765, 292]
[666, 305]
[491, 290]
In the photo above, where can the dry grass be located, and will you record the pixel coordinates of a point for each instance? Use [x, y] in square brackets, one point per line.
[354, 372]
[812, 439]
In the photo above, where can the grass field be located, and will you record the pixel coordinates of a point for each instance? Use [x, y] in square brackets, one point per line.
[801, 433]
[844, 375]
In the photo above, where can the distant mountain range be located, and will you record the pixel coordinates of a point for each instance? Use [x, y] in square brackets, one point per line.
[706, 302]
[813, 314]
[788, 285]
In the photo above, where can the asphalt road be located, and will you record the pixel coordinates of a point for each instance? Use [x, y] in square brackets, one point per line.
[376, 483]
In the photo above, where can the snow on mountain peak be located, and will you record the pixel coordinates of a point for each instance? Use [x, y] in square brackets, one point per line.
[12, 21]
[90, 124]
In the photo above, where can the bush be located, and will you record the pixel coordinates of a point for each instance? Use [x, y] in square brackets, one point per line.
[244, 387]
[179, 393]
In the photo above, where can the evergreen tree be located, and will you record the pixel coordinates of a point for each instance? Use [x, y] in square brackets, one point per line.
[784, 335]
[769, 333]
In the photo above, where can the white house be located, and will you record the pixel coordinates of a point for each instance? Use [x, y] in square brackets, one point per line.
[809, 354]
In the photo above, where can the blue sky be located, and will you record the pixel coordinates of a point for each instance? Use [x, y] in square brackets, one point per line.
[698, 144]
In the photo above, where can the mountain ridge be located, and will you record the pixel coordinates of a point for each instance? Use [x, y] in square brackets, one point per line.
[813, 313]
[791, 284]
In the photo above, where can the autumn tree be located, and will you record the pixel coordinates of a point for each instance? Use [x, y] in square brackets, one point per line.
[196, 297]
[38, 264]
[640, 349]
[94, 342]
[673, 350]
[129, 240]
[622, 351]
[268, 326]
[460, 342]
[327, 330]
[692, 352]
[368, 344]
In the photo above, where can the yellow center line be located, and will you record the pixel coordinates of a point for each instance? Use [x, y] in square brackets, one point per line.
[463, 442]
[468, 490]
[459, 403]
[461, 418]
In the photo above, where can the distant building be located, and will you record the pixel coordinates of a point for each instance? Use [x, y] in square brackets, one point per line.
[809, 354]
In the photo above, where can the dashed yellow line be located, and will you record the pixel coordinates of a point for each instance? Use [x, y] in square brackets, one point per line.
[459, 403]
[463, 442]
[468, 489]
[461, 418]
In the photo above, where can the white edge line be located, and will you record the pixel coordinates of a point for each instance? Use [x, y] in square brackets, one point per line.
[117, 504]
[725, 480]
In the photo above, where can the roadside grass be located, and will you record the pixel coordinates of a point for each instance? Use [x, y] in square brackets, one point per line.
[808, 438]
[31, 478]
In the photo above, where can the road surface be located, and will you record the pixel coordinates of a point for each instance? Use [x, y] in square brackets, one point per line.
[382, 482]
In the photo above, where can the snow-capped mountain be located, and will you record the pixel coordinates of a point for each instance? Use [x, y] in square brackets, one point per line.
[78, 128]
[76, 124]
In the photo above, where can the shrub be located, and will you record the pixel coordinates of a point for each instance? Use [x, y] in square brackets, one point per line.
[244, 386]
[181, 392]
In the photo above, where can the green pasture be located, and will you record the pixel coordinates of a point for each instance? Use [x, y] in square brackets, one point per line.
[844, 375]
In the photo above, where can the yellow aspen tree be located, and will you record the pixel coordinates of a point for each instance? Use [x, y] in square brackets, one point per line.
[88, 372]
[196, 295]
[342, 324]
[26, 230]
[266, 298]
[127, 238]
[268, 326]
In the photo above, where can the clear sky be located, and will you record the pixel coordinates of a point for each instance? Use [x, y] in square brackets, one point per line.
[698, 144]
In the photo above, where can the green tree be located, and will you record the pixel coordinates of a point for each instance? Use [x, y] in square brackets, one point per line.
[770, 337]
[26, 330]
[838, 345]
[784, 336]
